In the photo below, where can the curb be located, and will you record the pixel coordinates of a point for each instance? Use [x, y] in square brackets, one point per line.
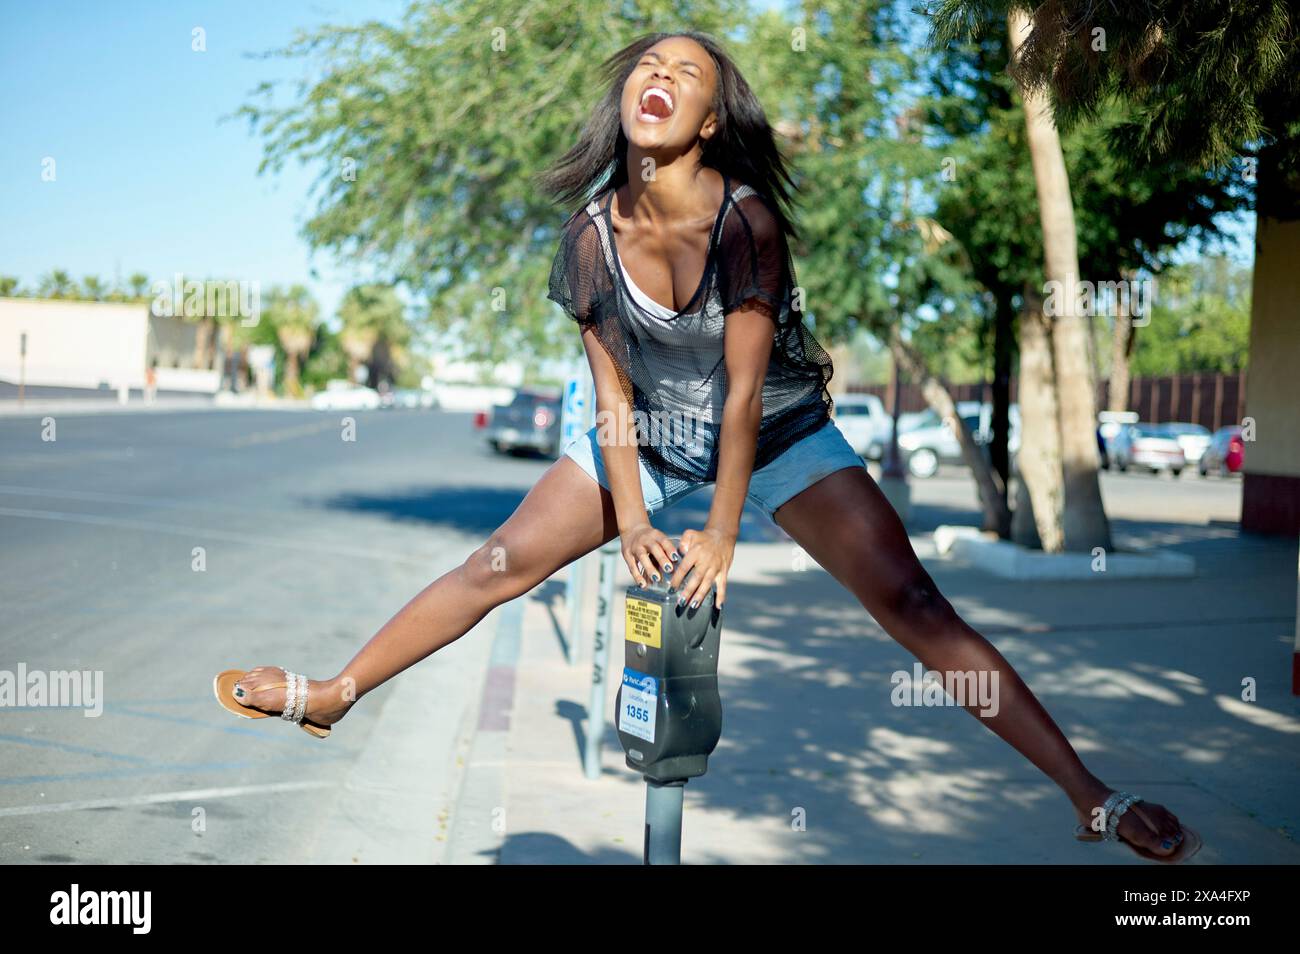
[478, 818]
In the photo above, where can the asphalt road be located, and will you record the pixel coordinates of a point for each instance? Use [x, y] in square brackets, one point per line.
[158, 549]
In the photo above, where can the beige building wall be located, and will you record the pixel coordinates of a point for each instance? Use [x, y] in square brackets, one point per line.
[79, 344]
[1271, 493]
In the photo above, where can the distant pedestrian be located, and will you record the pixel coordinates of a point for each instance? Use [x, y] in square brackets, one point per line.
[151, 382]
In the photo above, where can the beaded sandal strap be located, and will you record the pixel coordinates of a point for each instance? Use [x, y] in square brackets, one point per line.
[1116, 805]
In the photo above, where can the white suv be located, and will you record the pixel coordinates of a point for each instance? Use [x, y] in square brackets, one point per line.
[862, 420]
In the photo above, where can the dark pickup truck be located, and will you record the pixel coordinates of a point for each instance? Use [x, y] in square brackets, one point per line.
[529, 422]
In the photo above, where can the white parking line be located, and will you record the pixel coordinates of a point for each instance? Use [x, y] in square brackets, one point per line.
[193, 795]
[205, 533]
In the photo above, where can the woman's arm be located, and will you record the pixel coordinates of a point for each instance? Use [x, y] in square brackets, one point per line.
[644, 548]
[747, 347]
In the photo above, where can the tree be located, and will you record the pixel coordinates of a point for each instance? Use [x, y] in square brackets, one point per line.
[93, 288]
[294, 315]
[374, 324]
[1129, 221]
[427, 134]
[871, 257]
[1201, 321]
[56, 284]
[138, 285]
[1210, 83]
[1083, 522]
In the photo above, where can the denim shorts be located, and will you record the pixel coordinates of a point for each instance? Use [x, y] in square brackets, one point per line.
[795, 469]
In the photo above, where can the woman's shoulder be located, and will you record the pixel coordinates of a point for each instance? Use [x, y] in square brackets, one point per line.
[751, 219]
[579, 230]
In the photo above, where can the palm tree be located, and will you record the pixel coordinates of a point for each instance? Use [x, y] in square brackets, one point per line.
[370, 313]
[93, 289]
[56, 284]
[1081, 517]
[294, 314]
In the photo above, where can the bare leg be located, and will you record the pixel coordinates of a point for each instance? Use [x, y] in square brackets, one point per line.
[564, 516]
[846, 524]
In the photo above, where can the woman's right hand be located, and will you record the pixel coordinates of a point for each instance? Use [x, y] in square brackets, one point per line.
[648, 552]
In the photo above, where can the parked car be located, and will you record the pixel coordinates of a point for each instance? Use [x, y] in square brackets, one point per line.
[862, 420]
[531, 421]
[414, 398]
[933, 442]
[1147, 446]
[1192, 438]
[1226, 453]
[341, 395]
[906, 422]
[1109, 424]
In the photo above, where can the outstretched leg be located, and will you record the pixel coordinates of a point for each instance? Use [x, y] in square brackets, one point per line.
[846, 524]
[563, 517]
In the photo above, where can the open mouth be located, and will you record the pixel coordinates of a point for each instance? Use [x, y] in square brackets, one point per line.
[656, 105]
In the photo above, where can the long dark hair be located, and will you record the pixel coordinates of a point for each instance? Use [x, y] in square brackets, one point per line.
[743, 147]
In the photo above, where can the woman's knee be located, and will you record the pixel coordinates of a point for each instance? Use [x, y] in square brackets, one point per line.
[500, 567]
[916, 604]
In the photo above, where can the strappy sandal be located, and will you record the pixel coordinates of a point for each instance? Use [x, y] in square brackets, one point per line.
[295, 700]
[1116, 805]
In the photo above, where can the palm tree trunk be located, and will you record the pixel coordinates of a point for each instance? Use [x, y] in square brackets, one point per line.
[1083, 516]
[291, 385]
[1039, 460]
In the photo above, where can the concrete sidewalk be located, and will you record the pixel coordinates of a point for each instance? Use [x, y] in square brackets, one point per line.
[1144, 677]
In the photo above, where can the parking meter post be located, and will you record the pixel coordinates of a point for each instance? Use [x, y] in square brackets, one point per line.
[663, 822]
[668, 712]
[577, 413]
[601, 657]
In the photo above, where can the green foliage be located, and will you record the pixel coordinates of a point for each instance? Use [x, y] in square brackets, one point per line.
[428, 134]
[869, 257]
[325, 362]
[1128, 220]
[1207, 80]
[1200, 322]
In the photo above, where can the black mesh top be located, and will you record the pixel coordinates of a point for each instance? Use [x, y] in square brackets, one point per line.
[671, 364]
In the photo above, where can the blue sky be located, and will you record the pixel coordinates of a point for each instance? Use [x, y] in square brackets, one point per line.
[148, 177]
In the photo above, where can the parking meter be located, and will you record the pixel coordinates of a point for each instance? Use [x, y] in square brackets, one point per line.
[668, 711]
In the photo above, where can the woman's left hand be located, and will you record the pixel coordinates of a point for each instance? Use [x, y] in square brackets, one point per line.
[707, 556]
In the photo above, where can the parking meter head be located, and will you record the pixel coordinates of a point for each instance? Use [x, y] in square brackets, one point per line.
[668, 711]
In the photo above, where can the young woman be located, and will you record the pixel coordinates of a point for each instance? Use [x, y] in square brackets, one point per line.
[679, 277]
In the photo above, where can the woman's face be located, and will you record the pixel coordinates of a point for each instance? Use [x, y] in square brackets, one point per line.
[668, 97]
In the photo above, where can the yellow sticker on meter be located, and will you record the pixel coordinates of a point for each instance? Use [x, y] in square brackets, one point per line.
[644, 622]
